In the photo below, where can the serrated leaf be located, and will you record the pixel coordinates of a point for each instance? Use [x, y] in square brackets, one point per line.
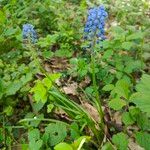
[116, 103]
[127, 45]
[143, 122]
[143, 140]
[142, 97]
[108, 87]
[127, 119]
[63, 146]
[121, 141]
[40, 92]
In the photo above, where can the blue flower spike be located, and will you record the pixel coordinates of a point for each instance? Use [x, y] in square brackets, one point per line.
[95, 24]
[29, 33]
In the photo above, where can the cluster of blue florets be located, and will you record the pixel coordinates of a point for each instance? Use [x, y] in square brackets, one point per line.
[29, 33]
[95, 24]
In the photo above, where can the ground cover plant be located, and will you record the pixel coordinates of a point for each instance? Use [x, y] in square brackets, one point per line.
[74, 75]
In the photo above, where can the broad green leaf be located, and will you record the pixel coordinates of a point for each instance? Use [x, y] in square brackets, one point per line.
[120, 140]
[127, 45]
[63, 146]
[116, 103]
[122, 89]
[13, 87]
[142, 97]
[127, 119]
[143, 139]
[108, 87]
[35, 143]
[55, 133]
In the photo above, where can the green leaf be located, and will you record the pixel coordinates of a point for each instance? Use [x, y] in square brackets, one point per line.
[35, 143]
[127, 119]
[47, 54]
[134, 36]
[63, 146]
[107, 54]
[116, 103]
[143, 140]
[2, 16]
[122, 89]
[107, 146]
[13, 87]
[127, 45]
[142, 97]
[55, 133]
[49, 108]
[55, 76]
[8, 110]
[40, 92]
[10, 31]
[108, 87]
[143, 122]
[75, 132]
[121, 141]
[47, 82]
[80, 141]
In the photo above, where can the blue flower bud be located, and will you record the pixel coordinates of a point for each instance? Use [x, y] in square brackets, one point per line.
[95, 23]
[28, 33]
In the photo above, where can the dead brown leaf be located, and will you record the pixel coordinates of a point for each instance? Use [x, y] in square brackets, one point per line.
[134, 146]
[85, 82]
[91, 110]
[71, 89]
[117, 118]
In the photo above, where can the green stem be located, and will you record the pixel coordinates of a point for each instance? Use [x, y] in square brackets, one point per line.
[97, 98]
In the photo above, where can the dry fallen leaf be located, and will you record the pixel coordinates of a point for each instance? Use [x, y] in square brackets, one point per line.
[91, 110]
[134, 146]
[117, 118]
[85, 82]
[71, 89]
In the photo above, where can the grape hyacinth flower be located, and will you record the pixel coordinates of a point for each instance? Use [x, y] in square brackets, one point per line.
[94, 27]
[29, 33]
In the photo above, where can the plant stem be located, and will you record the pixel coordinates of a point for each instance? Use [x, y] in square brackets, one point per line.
[97, 98]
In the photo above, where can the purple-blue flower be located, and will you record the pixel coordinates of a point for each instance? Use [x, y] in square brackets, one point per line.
[95, 23]
[29, 33]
